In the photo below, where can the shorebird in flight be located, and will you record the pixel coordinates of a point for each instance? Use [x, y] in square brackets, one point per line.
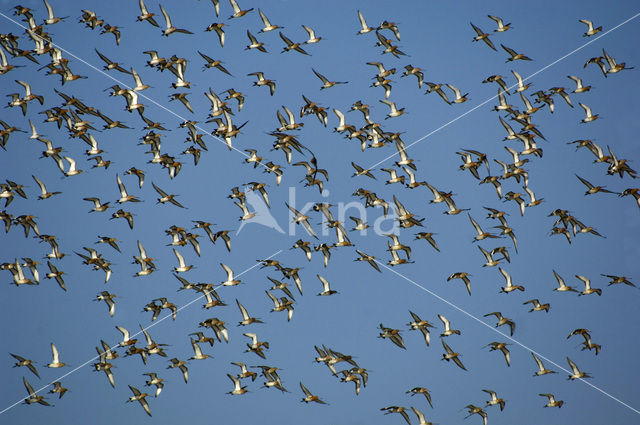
[590, 28]
[541, 369]
[33, 397]
[55, 363]
[140, 397]
[308, 397]
[502, 27]
[267, 24]
[451, 355]
[514, 55]
[326, 84]
[25, 362]
[552, 401]
[170, 29]
[364, 28]
[503, 321]
[481, 35]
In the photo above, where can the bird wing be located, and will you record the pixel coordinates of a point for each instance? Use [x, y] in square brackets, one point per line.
[305, 390]
[111, 305]
[475, 225]
[414, 316]
[495, 18]
[311, 32]
[136, 77]
[587, 23]
[457, 361]
[486, 254]
[585, 182]
[292, 119]
[513, 152]
[506, 275]
[293, 210]
[584, 280]
[221, 35]
[322, 77]
[236, 381]
[265, 20]
[49, 9]
[509, 50]
[363, 23]
[125, 333]
[166, 17]
[145, 405]
[383, 40]
[196, 348]
[276, 302]
[492, 393]
[179, 257]
[135, 391]
[419, 414]
[538, 361]
[445, 321]
[455, 90]
[587, 110]
[243, 311]
[228, 270]
[72, 163]
[325, 283]
[56, 355]
[143, 253]
[477, 30]
[143, 8]
[42, 186]
[110, 377]
[147, 336]
[28, 387]
[251, 38]
[489, 43]
[103, 57]
[309, 229]
[285, 39]
[559, 279]
[123, 190]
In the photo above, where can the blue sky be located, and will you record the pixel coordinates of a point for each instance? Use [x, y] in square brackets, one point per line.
[437, 38]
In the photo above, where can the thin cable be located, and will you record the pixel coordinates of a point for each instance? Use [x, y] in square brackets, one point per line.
[134, 335]
[514, 85]
[129, 87]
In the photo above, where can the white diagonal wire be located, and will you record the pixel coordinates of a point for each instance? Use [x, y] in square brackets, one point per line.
[449, 303]
[128, 86]
[447, 124]
[134, 335]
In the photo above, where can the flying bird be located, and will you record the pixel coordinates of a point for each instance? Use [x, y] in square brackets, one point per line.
[502, 27]
[326, 84]
[33, 397]
[308, 397]
[481, 35]
[141, 398]
[451, 355]
[170, 29]
[164, 197]
[513, 55]
[591, 30]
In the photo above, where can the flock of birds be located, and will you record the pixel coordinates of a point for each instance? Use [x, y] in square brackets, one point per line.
[70, 115]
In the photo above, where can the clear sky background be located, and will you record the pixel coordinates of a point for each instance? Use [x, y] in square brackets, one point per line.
[436, 36]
